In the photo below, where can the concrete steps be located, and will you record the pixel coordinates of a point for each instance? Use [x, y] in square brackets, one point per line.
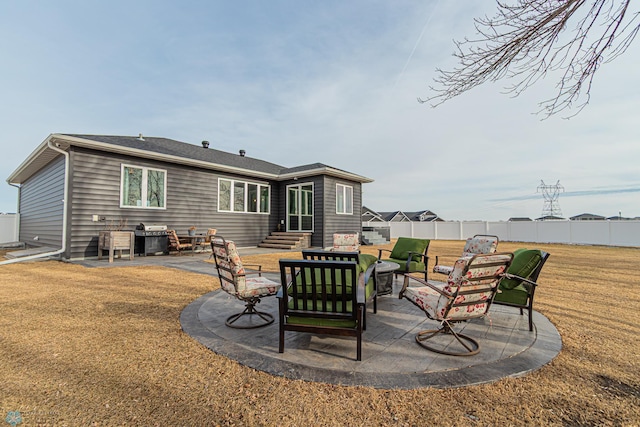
[373, 238]
[286, 240]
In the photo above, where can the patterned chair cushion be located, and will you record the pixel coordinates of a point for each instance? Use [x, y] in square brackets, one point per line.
[346, 242]
[443, 269]
[434, 302]
[239, 284]
[480, 245]
[258, 287]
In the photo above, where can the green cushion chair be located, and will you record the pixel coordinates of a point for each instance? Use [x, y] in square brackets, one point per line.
[322, 296]
[410, 254]
[518, 287]
[365, 265]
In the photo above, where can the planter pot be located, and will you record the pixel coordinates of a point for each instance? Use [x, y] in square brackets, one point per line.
[115, 241]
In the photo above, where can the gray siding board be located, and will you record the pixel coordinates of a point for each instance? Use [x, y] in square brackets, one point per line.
[191, 200]
[41, 206]
[334, 222]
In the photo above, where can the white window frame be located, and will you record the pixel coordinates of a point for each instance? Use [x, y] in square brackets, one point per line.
[246, 184]
[346, 191]
[144, 187]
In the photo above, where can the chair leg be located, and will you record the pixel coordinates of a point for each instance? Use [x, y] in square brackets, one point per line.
[470, 345]
[250, 310]
[361, 310]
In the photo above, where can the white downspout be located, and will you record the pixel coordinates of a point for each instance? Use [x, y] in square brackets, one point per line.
[64, 212]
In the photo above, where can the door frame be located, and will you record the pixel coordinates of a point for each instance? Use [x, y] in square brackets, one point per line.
[300, 215]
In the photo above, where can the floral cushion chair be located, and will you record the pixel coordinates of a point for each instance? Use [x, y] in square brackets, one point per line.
[346, 242]
[478, 244]
[236, 281]
[467, 294]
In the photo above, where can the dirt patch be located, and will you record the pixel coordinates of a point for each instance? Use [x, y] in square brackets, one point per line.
[103, 346]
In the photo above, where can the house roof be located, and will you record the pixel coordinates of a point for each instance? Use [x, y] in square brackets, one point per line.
[170, 150]
[423, 216]
[395, 216]
[370, 215]
[587, 216]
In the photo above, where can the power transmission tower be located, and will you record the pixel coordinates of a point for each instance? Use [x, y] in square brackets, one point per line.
[551, 193]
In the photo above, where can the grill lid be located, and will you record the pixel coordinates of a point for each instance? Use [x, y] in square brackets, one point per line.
[151, 227]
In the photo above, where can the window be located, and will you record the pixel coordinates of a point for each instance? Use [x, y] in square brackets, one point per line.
[240, 196]
[344, 199]
[142, 187]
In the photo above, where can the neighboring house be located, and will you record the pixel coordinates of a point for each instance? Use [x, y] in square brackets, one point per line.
[550, 218]
[519, 218]
[72, 186]
[369, 215]
[395, 216]
[587, 217]
[423, 216]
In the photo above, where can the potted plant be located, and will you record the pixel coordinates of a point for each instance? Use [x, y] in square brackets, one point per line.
[192, 230]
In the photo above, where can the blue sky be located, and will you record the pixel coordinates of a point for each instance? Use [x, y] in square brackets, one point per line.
[298, 82]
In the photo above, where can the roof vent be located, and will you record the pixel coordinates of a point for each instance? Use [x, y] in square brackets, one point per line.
[242, 153]
[205, 144]
[140, 138]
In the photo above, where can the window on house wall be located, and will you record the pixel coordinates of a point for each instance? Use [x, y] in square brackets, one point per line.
[344, 199]
[241, 196]
[142, 187]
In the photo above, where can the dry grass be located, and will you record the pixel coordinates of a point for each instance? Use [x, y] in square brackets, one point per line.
[104, 347]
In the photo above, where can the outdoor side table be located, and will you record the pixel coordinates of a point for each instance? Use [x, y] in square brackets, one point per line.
[384, 276]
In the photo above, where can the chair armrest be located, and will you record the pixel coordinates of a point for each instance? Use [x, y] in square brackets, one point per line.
[258, 272]
[408, 277]
[421, 255]
[361, 294]
[442, 269]
[380, 252]
[367, 274]
[513, 276]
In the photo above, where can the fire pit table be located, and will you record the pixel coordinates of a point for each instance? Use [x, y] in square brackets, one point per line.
[384, 276]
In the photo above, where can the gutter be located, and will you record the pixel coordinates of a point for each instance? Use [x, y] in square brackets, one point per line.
[63, 248]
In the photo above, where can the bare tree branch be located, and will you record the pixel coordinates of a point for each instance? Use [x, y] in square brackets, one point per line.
[531, 38]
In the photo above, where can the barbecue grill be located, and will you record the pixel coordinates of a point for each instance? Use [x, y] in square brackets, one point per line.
[151, 239]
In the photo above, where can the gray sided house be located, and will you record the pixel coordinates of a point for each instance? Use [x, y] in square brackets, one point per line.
[74, 186]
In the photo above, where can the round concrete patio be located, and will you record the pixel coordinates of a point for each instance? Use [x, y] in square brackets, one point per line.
[391, 359]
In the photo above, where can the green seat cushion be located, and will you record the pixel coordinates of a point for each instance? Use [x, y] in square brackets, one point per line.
[524, 263]
[517, 296]
[319, 321]
[404, 245]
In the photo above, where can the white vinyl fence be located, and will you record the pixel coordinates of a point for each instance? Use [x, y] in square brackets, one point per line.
[607, 233]
[8, 228]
